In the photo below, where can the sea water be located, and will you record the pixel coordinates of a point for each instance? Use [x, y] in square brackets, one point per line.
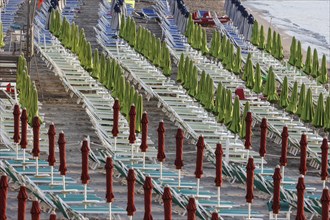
[307, 20]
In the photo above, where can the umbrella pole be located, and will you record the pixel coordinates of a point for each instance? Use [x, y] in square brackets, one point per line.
[115, 145]
[262, 165]
[51, 175]
[275, 216]
[179, 180]
[161, 170]
[110, 211]
[37, 166]
[249, 211]
[283, 172]
[323, 184]
[85, 195]
[63, 181]
[144, 160]
[132, 152]
[219, 197]
[23, 158]
[198, 181]
[248, 154]
[16, 151]
[130, 217]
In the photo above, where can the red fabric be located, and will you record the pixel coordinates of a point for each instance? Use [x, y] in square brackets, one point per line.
[194, 16]
[215, 216]
[161, 142]
[218, 165]
[8, 87]
[147, 198]
[200, 157]
[36, 135]
[191, 209]
[300, 201]
[249, 180]
[40, 3]
[277, 184]
[22, 198]
[35, 211]
[303, 154]
[115, 126]
[51, 144]
[325, 200]
[240, 93]
[62, 147]
[284, 151]
[84, 163]
[132, 125]
[3, 197]
[144, 139]
[248, 131]
[130, 192]
[24, 121]
[17, 114]
[179, 149]
[263, 138]
[109, 172]
[167, 199]
[52, 217]
[324, 163]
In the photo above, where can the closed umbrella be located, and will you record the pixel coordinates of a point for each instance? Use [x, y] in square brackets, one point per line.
[179, 153]
[269, 40]
[130, 193]
[22, 198]
[325, 200]
[292, 59]
[109, 192]
[161, 146]
[299, 56]
[229, 108]
[84, 166]
[300, 201]
[318, 120]
[323, 77]
[51, 147]
[17, 114]
[261, 45]
[191, 209]
[303, 154]
[324, 160]
[3, 197]
[62, 148]
[167, 200]
[315, 64]
[301, 101]
[248, 132]
[199, 160]
[234, 125]
[218, 169]
[277, 190]
[263, 141]
[242, 132]
[257, 87]
[115, 125]
[249, 74]
[272, 92]
[284, 150]
[249, 184]
[292, 105]
[284, 93]
[308, 107]
[132, 126]
[144, 141]
[36, 144]
[147, 186]
[24, 142]
[308, 61]
[35, 211]
[52, 216]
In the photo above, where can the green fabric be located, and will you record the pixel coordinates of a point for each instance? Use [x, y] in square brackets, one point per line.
[255, 34]
[242, 132]
[230, 62]
[222, 109]
[189, 74]
[223, 48]
[2, 43]
[323, 77]
[217, 49]
[238, 62]
[245, 73]
[139, 112]
[193, 83]
[284, 93]
[279, 51]
[122, 26]
[96, 64]
[301, 101]
[234, 125]
[132, 41]
[179, 76]
[327, 115]
[269, 40]
[261, 45]
[308, 61]
[308, 108]
[292, 105]
[257, 87]
[185, 72]
[318, 120]
[168, 66]
[191, 35]
[200, 88]
[189, 26]
[272, 91]
[229, 108]
[218, 98]
[205, 49]
[293, 50]
[299, 56]
[213, 43]
[89, 58]
[315, 67]
[210, 95]
[102, 68]
[109, 75]
[274, 44]
[266, 88]
[250, 74]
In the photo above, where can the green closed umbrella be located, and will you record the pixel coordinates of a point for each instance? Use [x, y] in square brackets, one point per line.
[102, 68]
[205, 94]
[301, 101]
[266, 88]
[132, 41]
[75, 41]
[315, 66]
[218, 45]
[227, 57]
[223, 48]
[89, 58]
[191, 35]
[327, 115]
[205, 49]
[213, 43]
[323, 77]
[292, 105]
[109, 76]
[230, 61]
[218, 98]
[139, 112]
[279, 51]
[200, 87]
[222, 108]
[2, 43]
[125, 95]
[121, 91]
[284, 93]
[20, 72]
[158, 49]
[274, 44]
[238, 62]
[229, 108]
[269, 40]
[318, 120]
[242, 132]
[168, 66]
[255, 33]
[150, 49]
[163, 54]
[257, 87]
[189, 74]
[189, 26]
[293, 50]
[250, 74]
[235, 123]
[122, 26]
[308, 61]
[245, 72]
[185, 72]
[272, 91]
[210, 95]
[179, 76]
[261, 45]
[96, 64]
[299, 56]
[193, 83]
[308, 108]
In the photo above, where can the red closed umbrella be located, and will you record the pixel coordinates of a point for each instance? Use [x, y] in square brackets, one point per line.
[249, 184]
[300, 201]
[191, 209]
[325, 200]
[179, 138]
[161, 146]
[167, 200]
[132, 127]
[51, 146]
[144, 141]
[263, 139]
[218, 169]
[84, 166]
[35, 211]
[130, 193]
[284, 150]
[109, 192]
[115, 125]
[24, 142]
[199, 160]
[147, 186]
[248, 131]
[3, 197]
[36, 143]
[62, 148]
[52, 216]
[17, 114]
[215, 216]
[303, 154]
[22, 198]
[277, 184]
[324, 163]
